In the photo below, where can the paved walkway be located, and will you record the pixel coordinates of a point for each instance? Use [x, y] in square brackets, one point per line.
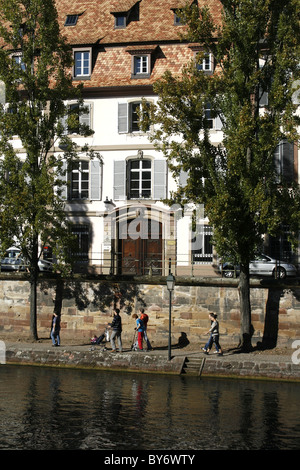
[275, 364]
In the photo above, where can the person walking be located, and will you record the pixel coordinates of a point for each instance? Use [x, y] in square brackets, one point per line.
[144, 317]
[214, 336]
[140, 331]
[116, 326]
[55, 330]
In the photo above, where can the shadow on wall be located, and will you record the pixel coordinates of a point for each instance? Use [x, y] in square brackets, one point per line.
[104, 296]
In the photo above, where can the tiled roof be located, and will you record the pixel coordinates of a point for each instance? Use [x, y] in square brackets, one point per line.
[153, 32]
[120, 6]
[96, 20]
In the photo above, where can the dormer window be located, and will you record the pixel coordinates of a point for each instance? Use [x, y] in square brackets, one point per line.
[142, 60]
[125, 12]
[141, 65]
[177, 18]
[204, 60]
[71, 20]
[82, 63]
[120, 20]
[205, 63]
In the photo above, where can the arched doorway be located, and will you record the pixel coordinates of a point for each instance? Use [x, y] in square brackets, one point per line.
[140, 247]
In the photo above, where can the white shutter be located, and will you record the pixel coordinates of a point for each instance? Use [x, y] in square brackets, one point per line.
[183, 177]
[95, 167]
[122, 118]
[160, 179]
[119, 180]
[64, 178]
[218, 123]
[85, 118]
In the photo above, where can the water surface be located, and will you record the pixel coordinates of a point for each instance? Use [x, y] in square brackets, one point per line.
[58, 409]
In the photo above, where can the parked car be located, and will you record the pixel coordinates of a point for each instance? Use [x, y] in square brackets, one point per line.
[13, 261]
[262, 265]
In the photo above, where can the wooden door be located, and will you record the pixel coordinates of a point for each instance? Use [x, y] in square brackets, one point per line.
[141, 255]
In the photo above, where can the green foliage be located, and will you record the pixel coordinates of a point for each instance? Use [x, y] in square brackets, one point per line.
[255, 50]
[35, 66]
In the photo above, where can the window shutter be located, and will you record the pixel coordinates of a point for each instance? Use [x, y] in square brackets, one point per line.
[64, 179]
[119, 180]
[287, 160]
[284, 161]
[218, 123]
[277, 163]
[122, 118]
[263, 97]
[95, 180]
[183, 177]
[63, 122]
[85, 118]
[160, 179]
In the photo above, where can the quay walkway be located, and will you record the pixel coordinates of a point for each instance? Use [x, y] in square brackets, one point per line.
[281, 364]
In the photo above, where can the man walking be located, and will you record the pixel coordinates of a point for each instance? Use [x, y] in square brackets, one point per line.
[116, 326]
[144, 317]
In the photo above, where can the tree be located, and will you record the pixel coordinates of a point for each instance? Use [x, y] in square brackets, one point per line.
[35, 68]
[255, 50]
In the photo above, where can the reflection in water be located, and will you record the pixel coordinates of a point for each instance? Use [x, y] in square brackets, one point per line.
[45, 409]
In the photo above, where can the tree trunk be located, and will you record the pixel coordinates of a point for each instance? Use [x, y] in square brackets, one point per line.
[245, 308]
[34, 273]
[33, 306]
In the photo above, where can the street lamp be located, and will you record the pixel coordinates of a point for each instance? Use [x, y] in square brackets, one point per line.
[170, 287]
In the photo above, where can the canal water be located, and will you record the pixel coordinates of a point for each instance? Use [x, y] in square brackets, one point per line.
[59, 409]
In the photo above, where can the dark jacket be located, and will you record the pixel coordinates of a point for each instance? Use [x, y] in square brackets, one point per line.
[116, 324]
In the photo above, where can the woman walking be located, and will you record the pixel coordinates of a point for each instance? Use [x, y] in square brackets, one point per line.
[55, 329]
[214, 336]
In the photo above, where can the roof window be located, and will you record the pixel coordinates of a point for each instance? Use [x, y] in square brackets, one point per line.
[71, 20]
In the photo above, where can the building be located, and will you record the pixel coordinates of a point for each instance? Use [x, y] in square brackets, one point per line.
[120, 49]
[115, 205]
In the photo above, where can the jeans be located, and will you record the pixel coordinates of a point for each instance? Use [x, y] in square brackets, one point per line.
[147, 340]
[116, 334]
[213, 339]
[55, 337]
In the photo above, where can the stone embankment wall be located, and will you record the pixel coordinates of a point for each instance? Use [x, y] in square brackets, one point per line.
[86, 307]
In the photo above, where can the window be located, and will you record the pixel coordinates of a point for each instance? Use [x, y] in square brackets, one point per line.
[131, 12]
[80, 251]
[82, 63]
[129, 117]
[83, 180]
[141, 66]
[208, 118]
[280, 247]
[284, 161]
[202, 248]
[134, 116]
[80, 180]
[139, 179]
[71, 20]
[120, 21]
[205, 63]
[178, 18]
[74, 122]
[19, 61]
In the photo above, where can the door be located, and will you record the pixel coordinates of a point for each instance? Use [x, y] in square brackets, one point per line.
[140, 252]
